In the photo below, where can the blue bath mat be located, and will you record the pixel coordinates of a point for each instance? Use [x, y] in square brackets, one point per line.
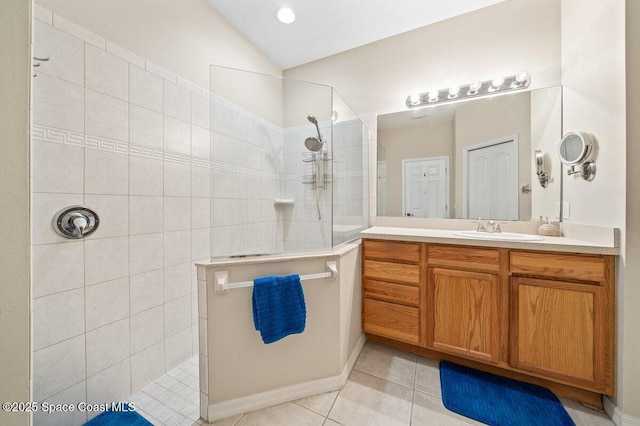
[499, 401]
[118, 418]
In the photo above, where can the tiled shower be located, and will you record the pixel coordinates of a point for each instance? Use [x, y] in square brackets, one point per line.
[110, 130]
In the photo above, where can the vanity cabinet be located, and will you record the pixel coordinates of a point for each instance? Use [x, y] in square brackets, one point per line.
[393, 286]
[545, 317]
[463, 301]
[562, 317]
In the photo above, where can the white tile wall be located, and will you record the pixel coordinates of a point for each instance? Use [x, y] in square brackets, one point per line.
[116, 133]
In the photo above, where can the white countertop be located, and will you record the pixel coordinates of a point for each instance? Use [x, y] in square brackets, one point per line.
[446, 236]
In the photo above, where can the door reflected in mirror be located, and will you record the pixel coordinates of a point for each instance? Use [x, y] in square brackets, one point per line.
[472, 159]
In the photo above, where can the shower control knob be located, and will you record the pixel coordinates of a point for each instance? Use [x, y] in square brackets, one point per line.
[75, 222]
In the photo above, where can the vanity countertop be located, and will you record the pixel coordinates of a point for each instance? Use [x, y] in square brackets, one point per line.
[446, 236]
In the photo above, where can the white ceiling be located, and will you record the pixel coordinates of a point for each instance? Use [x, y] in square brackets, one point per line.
[326, 27]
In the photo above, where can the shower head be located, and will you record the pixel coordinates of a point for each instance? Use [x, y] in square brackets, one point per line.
[314, 144]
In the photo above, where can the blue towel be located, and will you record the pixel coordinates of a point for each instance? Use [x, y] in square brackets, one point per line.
[278, 307]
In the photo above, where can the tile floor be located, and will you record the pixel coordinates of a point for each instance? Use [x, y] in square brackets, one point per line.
[387, 387]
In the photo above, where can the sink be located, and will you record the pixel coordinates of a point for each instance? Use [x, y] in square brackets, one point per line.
[499, 236]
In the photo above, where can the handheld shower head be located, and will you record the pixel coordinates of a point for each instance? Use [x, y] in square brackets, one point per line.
[314, 144]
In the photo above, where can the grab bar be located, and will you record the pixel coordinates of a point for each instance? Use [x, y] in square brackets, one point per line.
[222, 284]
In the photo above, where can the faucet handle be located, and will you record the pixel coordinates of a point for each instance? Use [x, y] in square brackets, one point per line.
[480, 227]
[497, 226]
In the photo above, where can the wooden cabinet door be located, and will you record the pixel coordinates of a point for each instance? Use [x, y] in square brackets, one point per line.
[558, 330]
[462, 307]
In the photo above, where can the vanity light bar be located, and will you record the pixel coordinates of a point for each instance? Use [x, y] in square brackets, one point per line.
[475, 89]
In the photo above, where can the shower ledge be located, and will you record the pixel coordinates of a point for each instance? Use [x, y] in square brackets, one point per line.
[283, 202]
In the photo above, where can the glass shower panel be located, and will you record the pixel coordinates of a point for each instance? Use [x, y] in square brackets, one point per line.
[246, 162]
[307, 177]
[350, 172]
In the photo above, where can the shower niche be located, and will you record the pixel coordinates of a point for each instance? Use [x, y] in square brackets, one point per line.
[275, 140]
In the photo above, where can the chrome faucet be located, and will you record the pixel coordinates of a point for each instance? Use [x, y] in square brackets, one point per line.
[491, 227]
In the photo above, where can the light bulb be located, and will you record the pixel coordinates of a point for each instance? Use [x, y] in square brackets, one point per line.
[433, 95]
[285, 15]
[497, 82]
[522, 77]
[414, 99]
[474, 87]
[453, 92]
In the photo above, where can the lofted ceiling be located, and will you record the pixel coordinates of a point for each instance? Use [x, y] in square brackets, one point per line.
[326, 27]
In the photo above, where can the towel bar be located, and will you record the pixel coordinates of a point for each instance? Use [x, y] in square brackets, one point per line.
[221, 278]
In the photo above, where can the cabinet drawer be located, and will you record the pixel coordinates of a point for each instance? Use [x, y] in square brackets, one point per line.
[392, 251]
[393, 321]
[566, 266]
[395, 293]
[481, 258]
[387, 271]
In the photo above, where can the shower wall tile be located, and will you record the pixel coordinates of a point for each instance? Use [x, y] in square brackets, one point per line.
[145, 215]
[146, 176]
[177, 248]
[200, 181]
[200, 212]
[106, 172]
[177, 315]
[65, 53]
[58, 104]
[201, 244]
[106, 116]
[146, 291]
[114, 215]
[177, 281]
[200, 111]
[78, 31]
[57, 317]
[57, 168]
[112, 384]
[106, 303]
[43, 209]
[72, 395]
[146, 252]
[106, 259]
[108, 345]
[222, 119]
[147, 366]
[239, 123]
[200, 142]
[147, 329]
[177, 136]
[58, 367]
[161, 72]
[42, 14]
[222, 211]
[55, 268]
[223, 184]
[177, 179]
[177, 213]
[147, 127]
[177, 101]
[146, 89]
[122, 53]
[106, 73]
[177, 348]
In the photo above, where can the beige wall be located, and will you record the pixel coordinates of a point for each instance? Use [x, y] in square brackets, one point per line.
[432, 140]
[593, 77]
[630, 314]
[490, 119]
[15, 349]
[506, 38]
[183, 36]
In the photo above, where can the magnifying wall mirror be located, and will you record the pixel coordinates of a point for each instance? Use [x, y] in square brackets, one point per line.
[574, 150]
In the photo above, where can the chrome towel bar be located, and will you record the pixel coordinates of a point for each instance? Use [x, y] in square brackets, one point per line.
[222, 284]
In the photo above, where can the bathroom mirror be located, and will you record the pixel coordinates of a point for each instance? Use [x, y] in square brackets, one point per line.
[472, 159]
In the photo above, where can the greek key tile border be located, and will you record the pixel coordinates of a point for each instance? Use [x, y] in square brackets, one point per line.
[67, 137]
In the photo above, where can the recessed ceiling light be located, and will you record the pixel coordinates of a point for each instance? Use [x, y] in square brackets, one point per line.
[285, 15]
